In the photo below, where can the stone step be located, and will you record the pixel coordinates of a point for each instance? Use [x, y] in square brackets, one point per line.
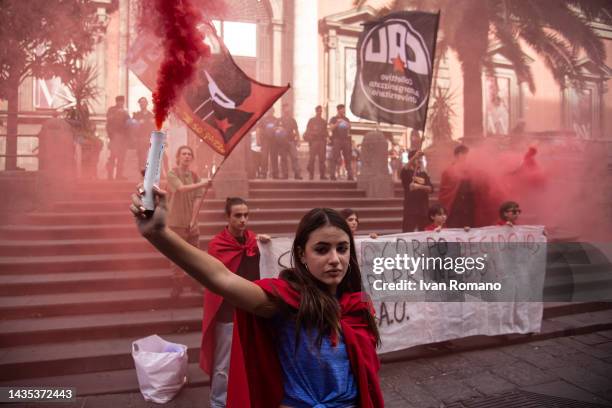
[83, 246]
[301, 184]
[578, 283]
[79, 357]
[330, 190]
[104, 382]
[257, 214]
[91, 282]
[104, 185]
[46, 364]
[85, 303]
[136, 324]
[88, 206]
[81, 263]
[128, 230]
[72, 247]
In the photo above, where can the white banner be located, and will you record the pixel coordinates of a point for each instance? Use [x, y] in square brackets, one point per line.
[518, 256]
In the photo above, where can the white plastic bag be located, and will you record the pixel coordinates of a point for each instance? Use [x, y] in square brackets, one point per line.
[161, 368]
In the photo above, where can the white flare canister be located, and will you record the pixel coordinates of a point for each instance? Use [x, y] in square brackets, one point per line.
[153, 169]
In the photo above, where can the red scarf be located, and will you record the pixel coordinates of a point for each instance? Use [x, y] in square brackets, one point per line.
[228, 250]
[255, 378]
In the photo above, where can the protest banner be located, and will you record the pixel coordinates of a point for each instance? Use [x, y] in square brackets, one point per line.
[515, 258]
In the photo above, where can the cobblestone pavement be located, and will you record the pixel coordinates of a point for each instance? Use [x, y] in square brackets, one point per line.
[575, 367]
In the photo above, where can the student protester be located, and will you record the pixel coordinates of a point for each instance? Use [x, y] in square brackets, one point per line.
[509, 212]
[236, 247]
[316, 136]
[307, 338]
[456, 190]
[417, 187]
[353, 221]
[437, 215]
[185, 189]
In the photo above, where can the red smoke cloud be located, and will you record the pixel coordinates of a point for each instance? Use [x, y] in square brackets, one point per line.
[183, 46]
[558, 183]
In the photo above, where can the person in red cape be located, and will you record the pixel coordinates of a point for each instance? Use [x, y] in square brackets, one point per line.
[467, 193]
[307, 338]
[456, 193]
[509, 212]
[437, 216]
[236, 247]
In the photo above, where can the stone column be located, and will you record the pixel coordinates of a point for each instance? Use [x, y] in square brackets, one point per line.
[124, 41]
[305, 61]
[332, 80]
[277, 57]
[277, 52]
[264, 57]
[374, 177]
[231, 179]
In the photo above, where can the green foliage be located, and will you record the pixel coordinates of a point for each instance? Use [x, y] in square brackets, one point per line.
[42, 37]
[558, 30]
[82, 85]
[441, 115]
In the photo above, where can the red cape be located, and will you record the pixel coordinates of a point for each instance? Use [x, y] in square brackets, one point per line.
[255, 378]
[486, 195]
[228, 250]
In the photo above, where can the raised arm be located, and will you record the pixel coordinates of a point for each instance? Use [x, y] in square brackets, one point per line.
[206, 269]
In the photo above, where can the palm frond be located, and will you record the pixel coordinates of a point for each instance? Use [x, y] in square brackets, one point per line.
[82, 84]
[511, 49]
[594, 10]
[442, 114]
[566, 22]
[557, 55]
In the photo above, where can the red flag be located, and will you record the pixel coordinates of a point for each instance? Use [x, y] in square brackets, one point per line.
[222, 103]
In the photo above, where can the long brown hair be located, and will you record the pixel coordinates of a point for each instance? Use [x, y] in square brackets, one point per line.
[319, 309]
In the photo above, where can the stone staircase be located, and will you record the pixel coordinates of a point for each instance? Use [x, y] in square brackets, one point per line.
[78, 284]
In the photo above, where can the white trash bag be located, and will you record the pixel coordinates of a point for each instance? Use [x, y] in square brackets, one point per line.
[161, 368]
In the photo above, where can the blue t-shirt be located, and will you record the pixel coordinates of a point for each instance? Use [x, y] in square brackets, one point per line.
[313, 377]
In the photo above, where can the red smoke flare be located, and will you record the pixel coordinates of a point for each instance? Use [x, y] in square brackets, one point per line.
[183, 45]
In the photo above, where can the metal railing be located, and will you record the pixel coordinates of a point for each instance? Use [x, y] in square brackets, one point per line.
[29, 165]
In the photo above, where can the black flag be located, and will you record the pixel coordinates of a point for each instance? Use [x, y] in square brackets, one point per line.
[395, 67]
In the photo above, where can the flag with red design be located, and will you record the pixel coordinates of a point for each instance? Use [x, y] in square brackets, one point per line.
[222, 103]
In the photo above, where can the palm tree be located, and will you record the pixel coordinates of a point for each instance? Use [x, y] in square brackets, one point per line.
[558, 30]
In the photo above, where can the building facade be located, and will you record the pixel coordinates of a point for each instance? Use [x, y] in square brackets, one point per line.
[312, 45]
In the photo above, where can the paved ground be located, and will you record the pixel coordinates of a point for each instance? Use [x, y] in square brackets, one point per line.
[574, 367]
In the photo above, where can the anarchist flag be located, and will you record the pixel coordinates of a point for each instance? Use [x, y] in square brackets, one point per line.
[222, 103]
[394, 68]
